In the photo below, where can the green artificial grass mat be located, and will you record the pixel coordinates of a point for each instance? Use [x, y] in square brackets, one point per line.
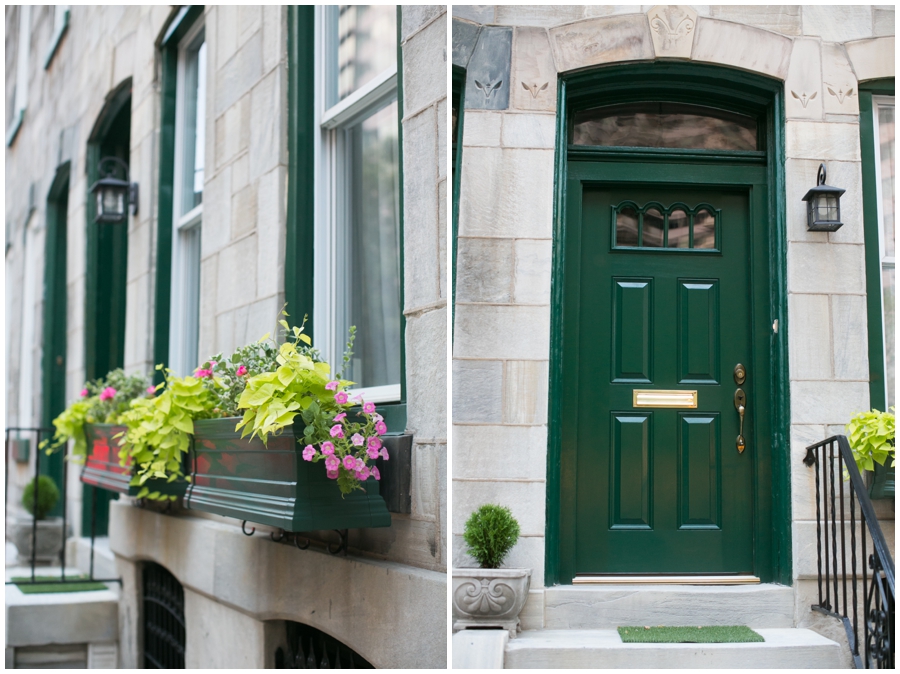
[27, 587]
[732, 634]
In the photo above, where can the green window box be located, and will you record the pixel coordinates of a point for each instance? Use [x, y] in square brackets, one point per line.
[273, 485]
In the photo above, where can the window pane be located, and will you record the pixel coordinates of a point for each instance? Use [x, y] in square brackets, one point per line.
[184, 325]
[679, 229]
[704, 230]
[372, 248]
[887, 278]
[627, 227]
[653, 228]
[664, 125]
[365, 47]
[886, 140]
[193, 137]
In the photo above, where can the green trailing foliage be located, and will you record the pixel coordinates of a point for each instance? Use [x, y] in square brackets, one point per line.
[872, 439]
[48, 495]
[490, 533]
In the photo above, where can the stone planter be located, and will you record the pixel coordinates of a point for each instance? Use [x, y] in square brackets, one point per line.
[102, 468]
[272, 484]
[489, 598]
[49, 541]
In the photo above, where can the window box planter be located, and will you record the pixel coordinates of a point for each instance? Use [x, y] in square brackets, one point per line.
[102, 468]
[273, 485]
[883, 482]
[489, 598]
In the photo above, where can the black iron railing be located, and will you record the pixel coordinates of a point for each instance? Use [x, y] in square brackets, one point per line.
[34, 436]
[861, 596]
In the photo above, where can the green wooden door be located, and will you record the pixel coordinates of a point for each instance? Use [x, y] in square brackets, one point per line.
[658, 305]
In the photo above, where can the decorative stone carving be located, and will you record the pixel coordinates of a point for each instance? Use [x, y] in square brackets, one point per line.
[672, 30]
[487, 77]
[534, 73]
[489, 598]
[803, 87]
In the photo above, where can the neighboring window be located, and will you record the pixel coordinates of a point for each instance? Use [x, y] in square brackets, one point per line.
[60, 23]
[883, 123]
[357, 237]
[190, 143]
[20, 96]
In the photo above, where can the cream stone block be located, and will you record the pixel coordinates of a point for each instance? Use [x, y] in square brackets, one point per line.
[426, 373]
[672, 29]
[525, 386]
[226, 32]
[822, 140]
[883, 20]
[237, 274]
[837, 23]
[745, 47]
[506, 192]
[784, 19]
[221, 636]
[803, 88]
[534, 259]
[271, 219]
[216, 213]
[442, 239]
[520, 497]
[243, 211]
[803, 478]
[826, 268]
[481, 128]
[840, 95]
[518, 452]
[537, 15]
[268, 126]
[477, 391]
[441, 119]
[810, 337]
[416, 16]
[274, 47]
[474, 13]
[528, 131]
[827, 402]
[851, 344]
[425, 66]
[249, 21]
[603, 40]
[502, 331]
[533, 71]
[872, 59]
[484, 270]
[806, 593]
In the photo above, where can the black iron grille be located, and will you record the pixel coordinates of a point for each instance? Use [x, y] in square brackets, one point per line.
[163, 619]
[309, 648]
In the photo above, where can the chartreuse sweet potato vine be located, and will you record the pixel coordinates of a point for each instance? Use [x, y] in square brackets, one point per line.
[872, 439]
[160, 428]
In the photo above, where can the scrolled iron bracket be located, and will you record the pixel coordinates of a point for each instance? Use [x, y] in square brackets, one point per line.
[810, 458]
[342, 546]
[244, 528]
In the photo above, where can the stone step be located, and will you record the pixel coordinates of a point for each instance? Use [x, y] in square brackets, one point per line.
[610, 606]
[581, 649]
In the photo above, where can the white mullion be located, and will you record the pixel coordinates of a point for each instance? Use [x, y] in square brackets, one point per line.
[877, 102]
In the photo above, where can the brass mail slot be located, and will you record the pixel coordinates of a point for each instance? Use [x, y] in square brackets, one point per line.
[658, 398]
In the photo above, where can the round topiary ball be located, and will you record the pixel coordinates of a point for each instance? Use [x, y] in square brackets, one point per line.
[48, 495]
[490, 534]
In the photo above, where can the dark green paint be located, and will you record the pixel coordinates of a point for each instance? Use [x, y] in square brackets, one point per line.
[459, 100]
[743, 92]
[181, 23]
[884, 477]
[668, 492]
[53, 362]
[106, 272]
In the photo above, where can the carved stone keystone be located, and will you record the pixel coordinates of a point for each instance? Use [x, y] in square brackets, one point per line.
[672, 30]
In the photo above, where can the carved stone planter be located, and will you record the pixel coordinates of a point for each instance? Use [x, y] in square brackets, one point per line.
[49, 541]
[489, 598]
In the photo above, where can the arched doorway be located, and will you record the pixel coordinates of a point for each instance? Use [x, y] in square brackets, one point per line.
[106, 271]
[668, 404]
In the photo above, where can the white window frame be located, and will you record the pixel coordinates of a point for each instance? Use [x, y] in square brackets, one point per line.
[20, 101]
[181, 310]
[328, 287]
[885, 262]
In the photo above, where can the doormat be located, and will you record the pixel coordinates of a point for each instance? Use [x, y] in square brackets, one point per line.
[732, 634]
[27, 587]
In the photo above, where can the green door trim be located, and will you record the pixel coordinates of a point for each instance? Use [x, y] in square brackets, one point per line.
[742, 92]
[459, 93]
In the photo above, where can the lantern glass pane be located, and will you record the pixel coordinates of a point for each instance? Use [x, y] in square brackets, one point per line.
[113, 201]
[827, 209]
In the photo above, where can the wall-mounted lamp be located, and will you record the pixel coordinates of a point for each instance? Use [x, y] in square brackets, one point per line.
[823, 206]
[114, 192]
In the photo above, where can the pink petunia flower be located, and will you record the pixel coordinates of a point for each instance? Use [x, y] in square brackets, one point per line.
[374, 443]
[369, 408]
[384, 453]
[376, 473]
[151, 390]
[341, 416]
[349, 462]
[340, 398]
[108, 393]
[372, 452]
[84, 392]
[241, 371]
[309, 452]
[357, 440]
[332, 385]
[360, 464]
[327, 448]
[200, 373]
[332, 463]
[337, 431]
[380, 427]
[332, 474]
[377, 417]
[363, 473]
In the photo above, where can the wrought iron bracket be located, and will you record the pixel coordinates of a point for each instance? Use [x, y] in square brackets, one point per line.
[342, 546]
[810, 459]
[244, 528]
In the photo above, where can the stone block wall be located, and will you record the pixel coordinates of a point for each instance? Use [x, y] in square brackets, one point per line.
[501, 337]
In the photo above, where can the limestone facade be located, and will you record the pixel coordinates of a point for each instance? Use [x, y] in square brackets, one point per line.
[390, 575]
[502, 313]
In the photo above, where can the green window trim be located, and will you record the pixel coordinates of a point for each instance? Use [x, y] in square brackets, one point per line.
[874, 309]
[459, 95]
[180, 24]
[13, 129]
[299, 263]
[56, 39]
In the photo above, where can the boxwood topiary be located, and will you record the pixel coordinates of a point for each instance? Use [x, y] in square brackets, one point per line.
[48, 495]
[490, 534]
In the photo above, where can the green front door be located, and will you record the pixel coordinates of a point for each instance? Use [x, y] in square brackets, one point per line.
[658, 313]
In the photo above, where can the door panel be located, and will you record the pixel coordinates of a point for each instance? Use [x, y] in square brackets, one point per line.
[662, 308]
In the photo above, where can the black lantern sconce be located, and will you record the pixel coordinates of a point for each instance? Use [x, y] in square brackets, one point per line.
[823, 206]
[114, 192]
